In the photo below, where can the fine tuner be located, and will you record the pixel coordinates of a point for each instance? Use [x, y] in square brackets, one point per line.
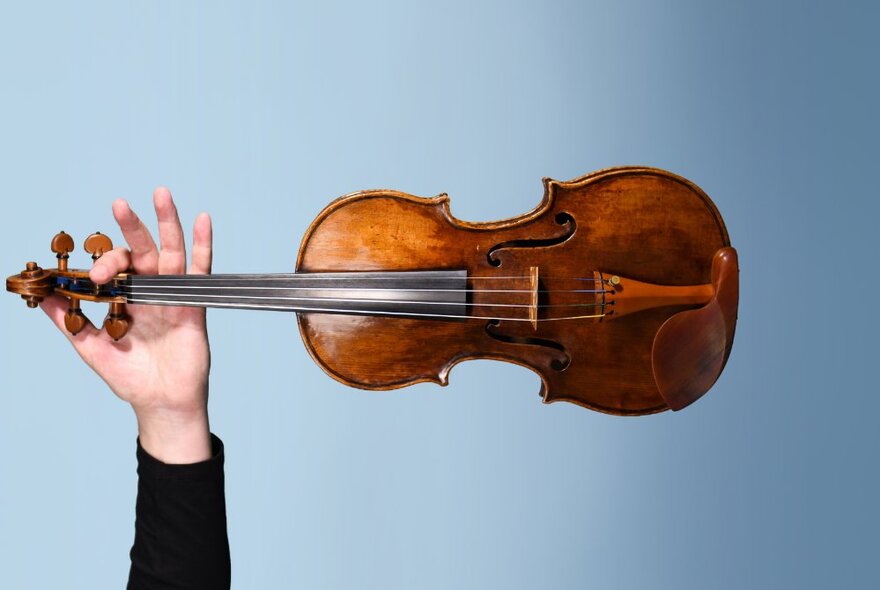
[620, 290]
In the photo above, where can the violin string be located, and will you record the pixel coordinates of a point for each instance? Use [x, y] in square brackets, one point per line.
[355, 277]
[139, 293]
[133, 288]
[358, 312]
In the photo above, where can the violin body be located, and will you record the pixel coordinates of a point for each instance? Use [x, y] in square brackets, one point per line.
[645, 224]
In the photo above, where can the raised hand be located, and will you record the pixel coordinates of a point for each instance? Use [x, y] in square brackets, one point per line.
[161, 366]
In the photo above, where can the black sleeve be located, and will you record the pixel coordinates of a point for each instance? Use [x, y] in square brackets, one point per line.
[180, 537]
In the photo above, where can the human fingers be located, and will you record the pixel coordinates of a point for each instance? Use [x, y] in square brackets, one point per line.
[56, 308]
[201, 248]
[110, 264]
[144, 254]
[172, 252]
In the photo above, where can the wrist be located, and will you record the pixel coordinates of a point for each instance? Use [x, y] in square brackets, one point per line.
[174, 436]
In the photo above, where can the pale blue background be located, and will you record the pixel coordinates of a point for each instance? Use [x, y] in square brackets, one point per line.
[262, 112]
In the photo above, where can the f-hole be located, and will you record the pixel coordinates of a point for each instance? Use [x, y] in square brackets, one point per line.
[564, 219]
[561, 359]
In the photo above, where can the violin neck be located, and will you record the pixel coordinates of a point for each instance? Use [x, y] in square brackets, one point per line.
[438, 294]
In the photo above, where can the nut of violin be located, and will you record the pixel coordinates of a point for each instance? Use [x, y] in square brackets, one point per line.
[97, 245]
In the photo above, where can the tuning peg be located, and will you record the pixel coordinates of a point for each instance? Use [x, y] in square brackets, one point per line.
[62, 246]
[74, 320]
[117, 321]
[97, 245]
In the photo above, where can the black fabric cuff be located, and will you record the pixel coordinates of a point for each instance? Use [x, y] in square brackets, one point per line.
[208, 470]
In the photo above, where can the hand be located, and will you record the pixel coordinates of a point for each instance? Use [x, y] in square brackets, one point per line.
[161, 366]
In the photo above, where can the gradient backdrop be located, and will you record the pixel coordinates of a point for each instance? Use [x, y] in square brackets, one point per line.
[262, 112]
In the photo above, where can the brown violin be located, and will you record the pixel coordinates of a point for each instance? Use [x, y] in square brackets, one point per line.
[620, 290]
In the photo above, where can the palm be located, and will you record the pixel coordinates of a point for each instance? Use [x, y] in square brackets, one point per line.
[162, 362]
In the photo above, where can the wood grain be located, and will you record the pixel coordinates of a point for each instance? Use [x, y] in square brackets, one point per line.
[642, 223]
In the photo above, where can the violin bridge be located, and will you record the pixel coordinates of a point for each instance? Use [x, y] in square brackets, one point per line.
[533, 306]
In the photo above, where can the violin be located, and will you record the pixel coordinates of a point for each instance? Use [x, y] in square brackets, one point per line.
[620, 290]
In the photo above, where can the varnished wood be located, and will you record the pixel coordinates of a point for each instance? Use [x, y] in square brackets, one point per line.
[62, 246]
[627, 296]
[33, 284]
[74, 320]
[117, 321]
[691, 347]
[97, 245]
[642, 223]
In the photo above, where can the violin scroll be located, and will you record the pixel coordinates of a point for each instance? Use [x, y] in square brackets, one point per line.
[34, 284]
